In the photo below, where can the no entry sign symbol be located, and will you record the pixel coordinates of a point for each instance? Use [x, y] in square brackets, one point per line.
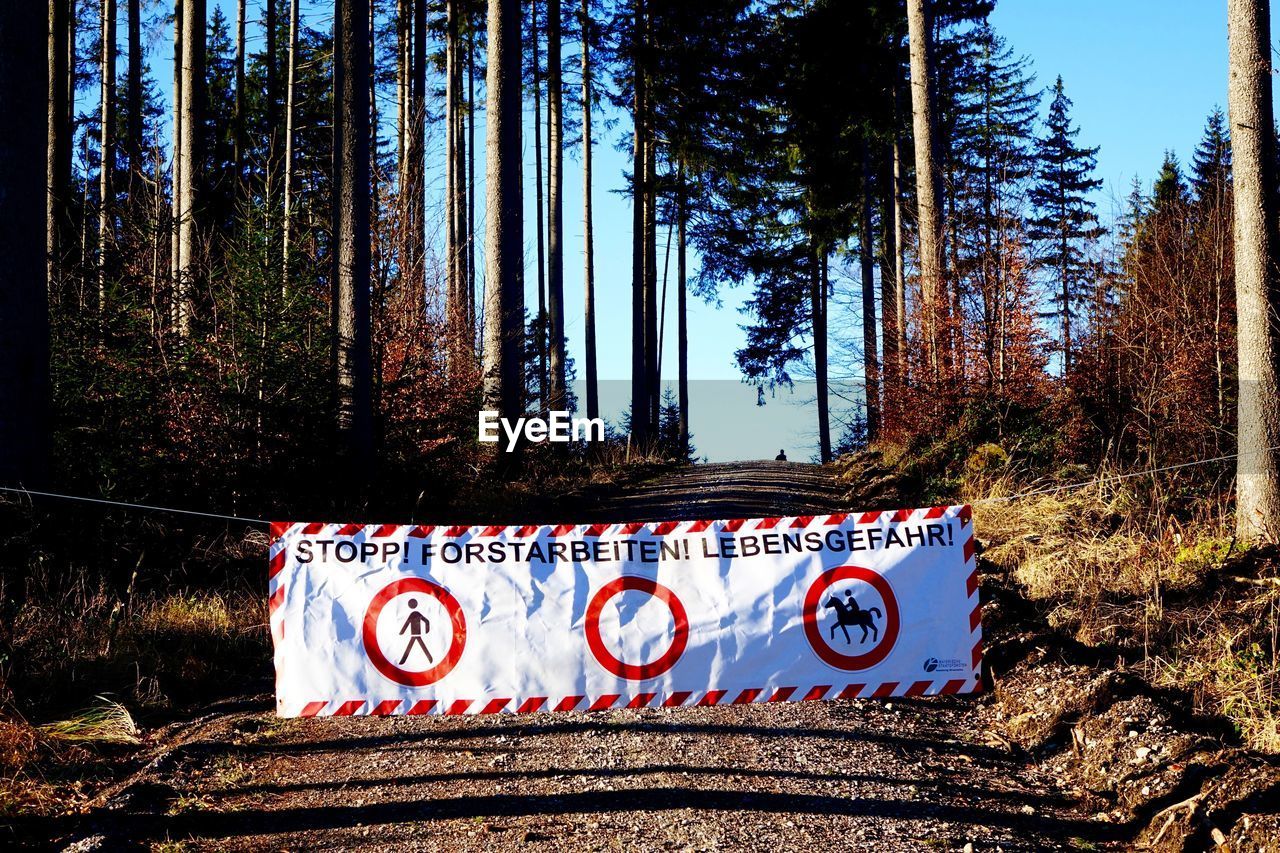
[606, 658]
[833, 618]
[414, 632]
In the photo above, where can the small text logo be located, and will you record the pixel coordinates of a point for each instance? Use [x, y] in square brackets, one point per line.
[558, 427]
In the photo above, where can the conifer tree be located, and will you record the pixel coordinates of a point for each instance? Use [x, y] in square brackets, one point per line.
[1064, 219]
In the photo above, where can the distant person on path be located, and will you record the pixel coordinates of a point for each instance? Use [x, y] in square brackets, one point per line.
[781, 457]
[417, 625]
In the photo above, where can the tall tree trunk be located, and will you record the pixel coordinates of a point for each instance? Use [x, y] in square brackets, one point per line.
[504, 224]
[58, 148]
[543, 336]
[352, 174]
[412, 174]
[889, 318]
[273, 91]
[866, 257]
[929, 219]
[286, 252]
[24, 332]
[460, 336]
[176, 309]
[1257, 286]
[134, 106]
[818, 307]
[639, 262]
[106, 146]
[403, 28]
[653, 356]
[900, 264]
[682, 315]
[238, 119]
[555, 206]
[471, 178]
[588, 246]
[193, 50]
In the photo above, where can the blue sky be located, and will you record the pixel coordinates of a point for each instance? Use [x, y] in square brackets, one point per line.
[1143, 75]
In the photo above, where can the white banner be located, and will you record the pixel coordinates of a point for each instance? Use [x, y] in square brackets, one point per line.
[392, 619]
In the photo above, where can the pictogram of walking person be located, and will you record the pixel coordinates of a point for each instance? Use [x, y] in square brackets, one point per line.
[417, 625]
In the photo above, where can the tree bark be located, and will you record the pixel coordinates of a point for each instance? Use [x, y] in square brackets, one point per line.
[653, 356]
[134, 105]
[352, 175]
[555, 205]
[866, 257]
[286, 252]
[543, 336]
[460, 342]
[412, 169]
[403, 47]
[239, 118]
[24, 332]
[193, 49]
[929, 219]
[1257, 285]
[504, 226]
[682, 315]
[818, 267]
[106, 146]
[889, 317]
[273, 94]
[58, 148]
[588, 246]
[176, 309]
[639, 264]
[471, 173]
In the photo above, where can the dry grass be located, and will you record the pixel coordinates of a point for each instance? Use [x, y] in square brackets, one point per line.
[105, 722]
[1106, 561]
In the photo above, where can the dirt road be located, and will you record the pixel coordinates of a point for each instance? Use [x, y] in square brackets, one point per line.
[893, 775]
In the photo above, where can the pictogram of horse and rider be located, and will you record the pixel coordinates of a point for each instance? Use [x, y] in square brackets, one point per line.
[849, 615]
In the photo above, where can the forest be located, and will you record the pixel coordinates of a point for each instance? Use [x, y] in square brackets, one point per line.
[285, 265]
[281, 281]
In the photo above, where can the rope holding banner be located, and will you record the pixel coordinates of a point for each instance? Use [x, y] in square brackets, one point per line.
[127, 505]
[1097, 481]
[1028, 494]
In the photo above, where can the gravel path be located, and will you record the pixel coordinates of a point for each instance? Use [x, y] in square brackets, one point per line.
[906, 774]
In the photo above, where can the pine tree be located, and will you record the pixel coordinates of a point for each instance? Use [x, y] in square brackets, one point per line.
[995, 112]
[1065, 220]
[1211, 165]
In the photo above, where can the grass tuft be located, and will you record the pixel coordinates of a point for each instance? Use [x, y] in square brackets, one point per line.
[106, 722]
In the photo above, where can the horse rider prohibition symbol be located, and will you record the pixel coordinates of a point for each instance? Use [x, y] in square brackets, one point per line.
[416, 625]
[848, 613]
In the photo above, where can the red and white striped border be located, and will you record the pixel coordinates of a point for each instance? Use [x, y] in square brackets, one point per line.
[282, 531]
[655, 528]
[612, 701]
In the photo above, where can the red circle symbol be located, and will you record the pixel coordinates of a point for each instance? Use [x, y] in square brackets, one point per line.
[813, 632]
[414, 678]
[630, 671]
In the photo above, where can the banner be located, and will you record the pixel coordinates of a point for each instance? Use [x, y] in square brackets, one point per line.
[391, 619]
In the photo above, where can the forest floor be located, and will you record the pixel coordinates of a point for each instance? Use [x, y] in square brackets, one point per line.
[1069, 751]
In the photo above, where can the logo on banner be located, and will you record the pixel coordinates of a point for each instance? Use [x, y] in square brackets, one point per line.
[420, 626]
[851, 618]
[600, 650]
